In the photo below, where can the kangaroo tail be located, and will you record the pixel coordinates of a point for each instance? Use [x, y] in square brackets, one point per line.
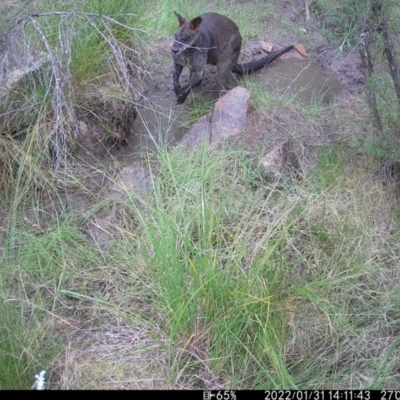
[262, 62]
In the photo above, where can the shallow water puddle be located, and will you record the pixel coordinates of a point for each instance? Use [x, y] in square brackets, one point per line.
[159, 120]
[304, 78]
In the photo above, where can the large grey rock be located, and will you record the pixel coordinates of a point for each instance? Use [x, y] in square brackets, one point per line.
[228, 118]
[199, 133]
[230, 114]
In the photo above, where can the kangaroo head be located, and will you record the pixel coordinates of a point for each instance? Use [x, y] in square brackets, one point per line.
[186, 35]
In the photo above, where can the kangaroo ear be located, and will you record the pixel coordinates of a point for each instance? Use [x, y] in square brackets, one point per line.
[195, 23]
[181, 20]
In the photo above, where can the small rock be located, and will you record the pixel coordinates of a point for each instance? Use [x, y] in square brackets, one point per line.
[29, 63]
[298, 52]
[133, 178]
[101, 228]
[267, 47]
[301, 49]
[280, 161]
[83, 128]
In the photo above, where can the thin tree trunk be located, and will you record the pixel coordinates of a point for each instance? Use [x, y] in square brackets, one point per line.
[368, 68]
[394, 67]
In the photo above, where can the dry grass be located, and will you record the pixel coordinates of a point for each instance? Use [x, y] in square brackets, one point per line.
[121, 358]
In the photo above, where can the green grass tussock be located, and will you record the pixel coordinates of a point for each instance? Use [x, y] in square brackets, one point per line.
[261, 287]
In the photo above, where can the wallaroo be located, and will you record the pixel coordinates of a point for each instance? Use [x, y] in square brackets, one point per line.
[212, 39]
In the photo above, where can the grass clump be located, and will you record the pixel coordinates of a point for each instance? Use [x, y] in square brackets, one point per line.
[222, 279]
[266, 287]
[36, 264]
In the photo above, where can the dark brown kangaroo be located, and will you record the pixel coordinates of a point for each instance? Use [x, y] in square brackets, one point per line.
[210, 39]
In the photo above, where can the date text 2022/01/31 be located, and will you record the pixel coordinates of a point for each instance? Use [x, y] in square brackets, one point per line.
[330, 395]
